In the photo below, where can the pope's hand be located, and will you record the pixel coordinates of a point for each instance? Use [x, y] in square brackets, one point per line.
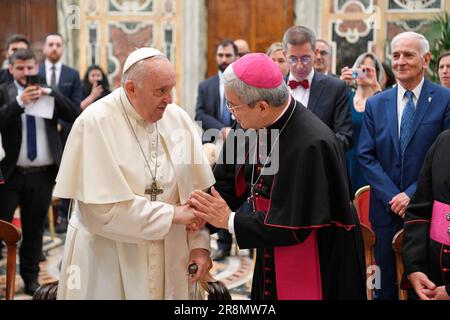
[211, 208]
[184, 215]
[202, 258]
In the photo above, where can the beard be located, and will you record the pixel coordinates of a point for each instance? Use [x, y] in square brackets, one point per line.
[223, 66]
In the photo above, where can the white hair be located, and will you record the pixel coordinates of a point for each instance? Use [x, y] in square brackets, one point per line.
[249, 95]
[424, 44]
[136, 72]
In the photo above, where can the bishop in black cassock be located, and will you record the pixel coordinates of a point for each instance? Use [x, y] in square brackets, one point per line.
[426, 239]
[308, 241]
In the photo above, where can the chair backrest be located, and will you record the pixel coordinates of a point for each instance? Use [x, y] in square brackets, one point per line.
[362, 204]
[10, 235]
[397, 243]
[369, 243]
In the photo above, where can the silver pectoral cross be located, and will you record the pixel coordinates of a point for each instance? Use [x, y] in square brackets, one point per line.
[153, 191]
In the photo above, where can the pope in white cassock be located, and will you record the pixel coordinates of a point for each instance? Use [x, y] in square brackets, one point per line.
[130, 163]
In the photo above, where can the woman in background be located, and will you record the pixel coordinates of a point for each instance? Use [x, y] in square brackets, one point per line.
[95, 86]
[275, 51]
[367, 73]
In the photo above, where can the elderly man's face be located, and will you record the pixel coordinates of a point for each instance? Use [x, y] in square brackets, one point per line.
[407, 61]
[247, 117]
[322, 57]
[300, 59]
[154, 91]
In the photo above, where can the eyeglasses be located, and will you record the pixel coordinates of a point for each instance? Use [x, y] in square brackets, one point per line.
[293, 60]
[231, 107]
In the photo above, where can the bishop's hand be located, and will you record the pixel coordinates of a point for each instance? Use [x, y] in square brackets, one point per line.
[210, 207]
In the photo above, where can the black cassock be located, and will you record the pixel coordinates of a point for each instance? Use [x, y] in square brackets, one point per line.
[304, 204]
[426, 239]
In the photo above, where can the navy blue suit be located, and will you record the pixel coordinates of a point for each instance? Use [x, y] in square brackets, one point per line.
[207, 108]
[69, 85]
[328, 100]
[379, 156]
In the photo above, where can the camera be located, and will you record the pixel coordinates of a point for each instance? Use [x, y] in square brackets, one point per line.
[359, 73]
[32, 80]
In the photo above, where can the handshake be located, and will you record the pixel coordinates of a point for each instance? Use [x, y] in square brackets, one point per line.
[202, 208]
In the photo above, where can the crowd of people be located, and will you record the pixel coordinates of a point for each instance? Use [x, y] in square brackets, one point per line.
[296, 142]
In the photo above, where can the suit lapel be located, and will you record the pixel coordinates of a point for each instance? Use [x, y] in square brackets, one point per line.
[42, 72]
[392, 118]
[215, 91]
[315, 91]
[423, 104]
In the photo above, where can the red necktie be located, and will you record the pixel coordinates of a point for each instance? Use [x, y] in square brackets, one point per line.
[295, 84]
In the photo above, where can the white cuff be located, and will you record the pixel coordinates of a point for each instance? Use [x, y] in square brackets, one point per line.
[231, 222]
[20, 102]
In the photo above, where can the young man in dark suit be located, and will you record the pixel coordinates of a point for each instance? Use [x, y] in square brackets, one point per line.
[325, 96]
[67, 81]
[33, 152]
[13, 43]
[399, 126]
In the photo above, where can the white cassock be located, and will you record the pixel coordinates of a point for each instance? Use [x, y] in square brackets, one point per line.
[121, 245]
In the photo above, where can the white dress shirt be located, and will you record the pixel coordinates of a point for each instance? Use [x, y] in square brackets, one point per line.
[402, 100]
[301, 94]
[44, 156]
[48, 71]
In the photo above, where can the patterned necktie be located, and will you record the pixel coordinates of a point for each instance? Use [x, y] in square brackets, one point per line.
[31, 137]
[295, 84]
[53, 76]
[407, 121]
[226, 116]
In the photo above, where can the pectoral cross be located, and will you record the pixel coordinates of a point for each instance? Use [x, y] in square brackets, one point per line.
[153, 191]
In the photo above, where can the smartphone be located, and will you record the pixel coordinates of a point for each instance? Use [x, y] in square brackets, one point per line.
[32, 80]
[359, 73]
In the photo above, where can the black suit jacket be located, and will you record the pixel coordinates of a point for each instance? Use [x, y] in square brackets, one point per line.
[5, 76]
[11, 125]
[69, 85]
[328, 100]
[207, 109]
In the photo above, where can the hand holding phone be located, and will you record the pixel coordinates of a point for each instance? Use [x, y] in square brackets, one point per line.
[32, 80]
[359, 73]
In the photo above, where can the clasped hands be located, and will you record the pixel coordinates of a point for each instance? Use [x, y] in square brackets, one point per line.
[426, 289]
[201, 208]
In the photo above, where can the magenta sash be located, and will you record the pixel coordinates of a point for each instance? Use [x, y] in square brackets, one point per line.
[297, 267]
[440, 223]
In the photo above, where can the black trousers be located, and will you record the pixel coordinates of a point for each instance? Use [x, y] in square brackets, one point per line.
[32, 191]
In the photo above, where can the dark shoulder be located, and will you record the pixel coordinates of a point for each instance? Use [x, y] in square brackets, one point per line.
[444, 138]
[209, 82]
[70, 70]
[311, 129]
[385, 94]
[329, 80]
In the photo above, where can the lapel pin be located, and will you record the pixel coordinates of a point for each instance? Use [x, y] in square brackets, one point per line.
[429, 99]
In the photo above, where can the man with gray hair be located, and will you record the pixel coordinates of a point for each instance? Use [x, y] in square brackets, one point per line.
[130, 179]
[308, 241]
[399, 126]
[323, 95]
